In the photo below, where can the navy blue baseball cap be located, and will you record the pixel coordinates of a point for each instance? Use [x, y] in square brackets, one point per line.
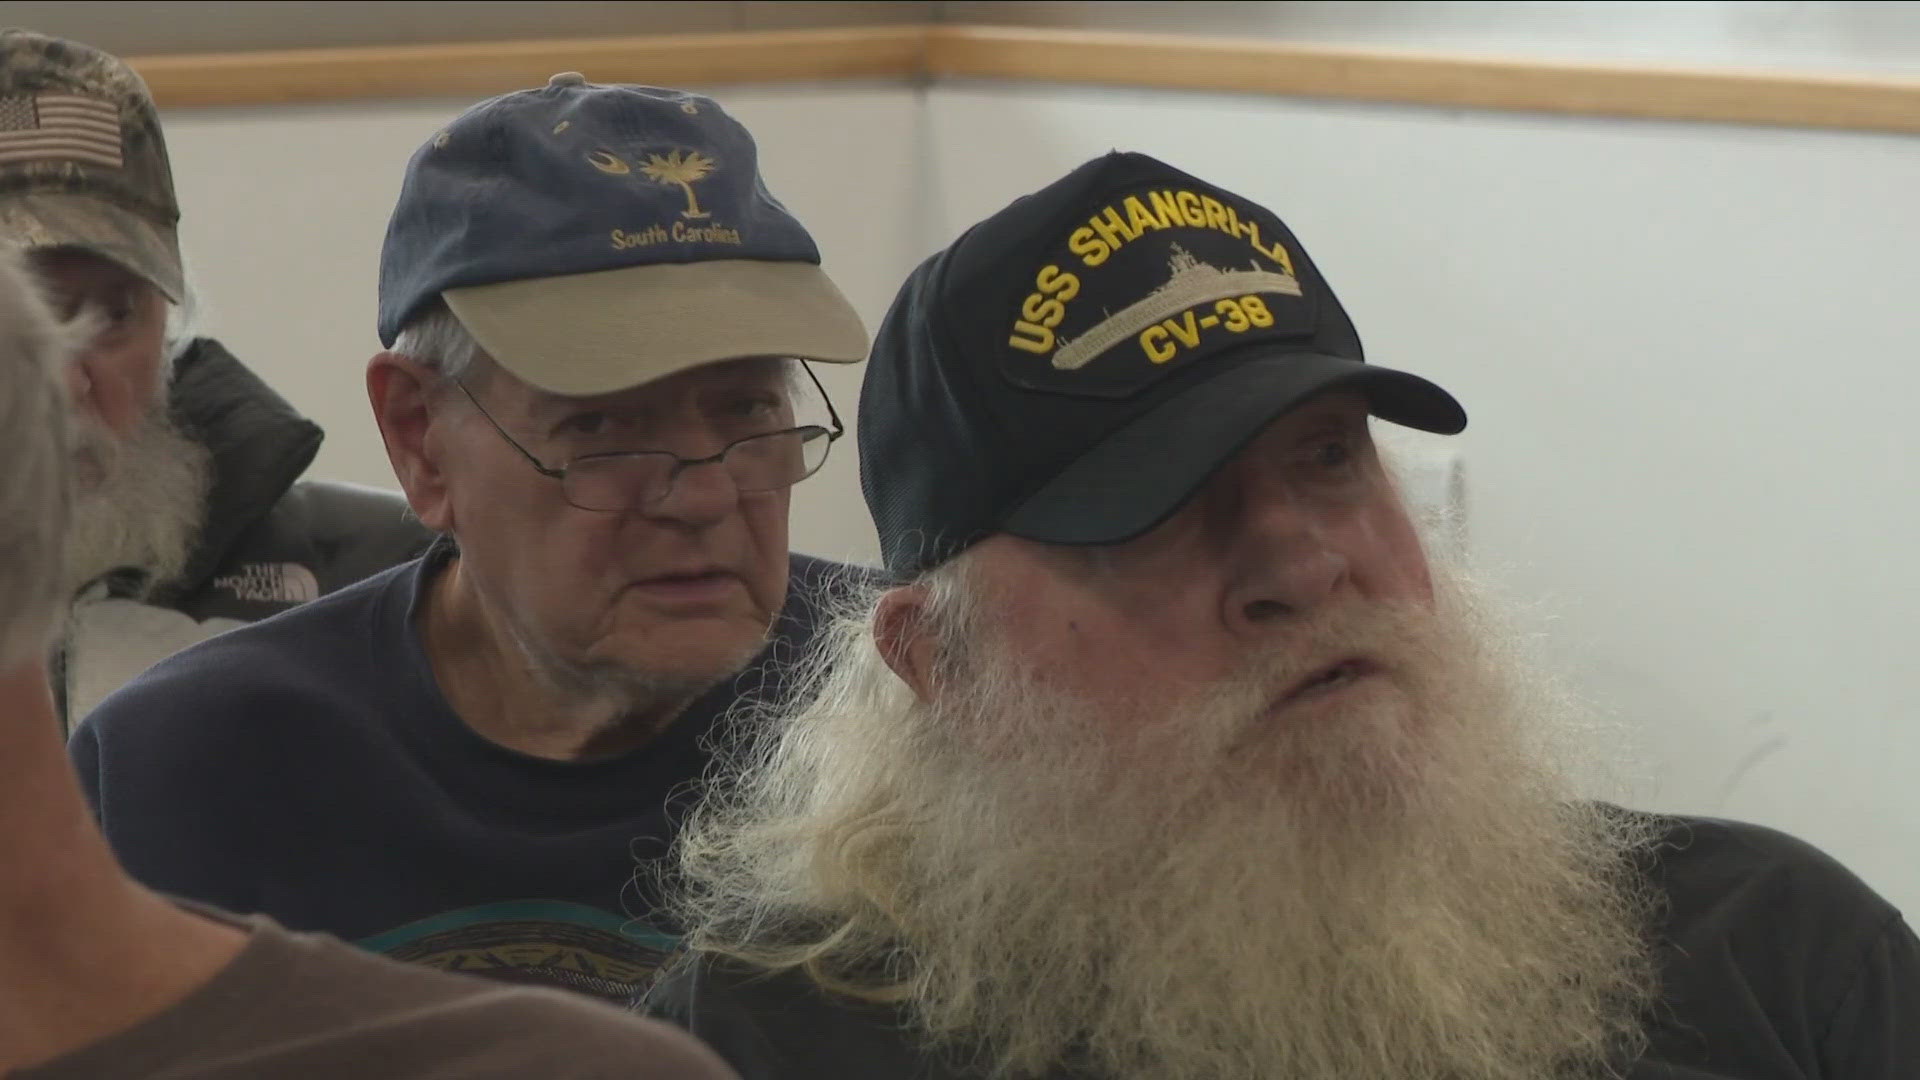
[1073, 368]
[593, 238]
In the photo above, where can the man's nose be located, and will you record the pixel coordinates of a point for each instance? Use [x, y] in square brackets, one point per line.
[1285, 560]
[701, 495]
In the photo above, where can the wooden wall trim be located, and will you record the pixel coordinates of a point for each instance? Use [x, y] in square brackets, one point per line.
[483, 68]
[1099, 58]
[1140, 60]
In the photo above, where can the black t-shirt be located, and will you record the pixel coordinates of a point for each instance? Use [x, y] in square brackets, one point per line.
[1776, 962]
[307, 767]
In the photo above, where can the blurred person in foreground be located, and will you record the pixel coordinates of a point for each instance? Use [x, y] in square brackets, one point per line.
[598, 320]
[100, 977]
[1173, 755]
[190, 515]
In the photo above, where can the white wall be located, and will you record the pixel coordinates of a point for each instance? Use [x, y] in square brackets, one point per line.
[1690, 353]
[283, 211]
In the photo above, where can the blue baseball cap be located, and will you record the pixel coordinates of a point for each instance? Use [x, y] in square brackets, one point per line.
[593, 238]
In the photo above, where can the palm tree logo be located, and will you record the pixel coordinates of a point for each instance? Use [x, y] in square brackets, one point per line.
[684, 171]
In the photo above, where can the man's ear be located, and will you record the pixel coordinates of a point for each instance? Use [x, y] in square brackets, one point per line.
[905, 638]
[400, 390]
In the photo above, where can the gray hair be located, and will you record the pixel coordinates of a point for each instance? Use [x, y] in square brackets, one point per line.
[183, 329]
[34, 498]
[438, 340]
[183, 323]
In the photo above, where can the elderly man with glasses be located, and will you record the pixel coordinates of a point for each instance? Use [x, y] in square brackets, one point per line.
[598, 321]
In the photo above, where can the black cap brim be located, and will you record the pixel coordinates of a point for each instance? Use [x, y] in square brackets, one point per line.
[1138, 476]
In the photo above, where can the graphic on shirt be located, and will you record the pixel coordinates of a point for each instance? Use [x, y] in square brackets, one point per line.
[272, 583]
[534, 942]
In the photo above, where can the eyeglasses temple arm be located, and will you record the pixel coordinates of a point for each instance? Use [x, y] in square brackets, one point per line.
[832, 414]
[557, 474]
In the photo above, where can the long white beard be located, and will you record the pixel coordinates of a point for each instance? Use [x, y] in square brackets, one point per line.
[139, 502]
[1399, 887]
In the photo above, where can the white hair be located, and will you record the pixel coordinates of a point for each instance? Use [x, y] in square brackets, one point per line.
[437, 339]
[34, 503]
[183, 324]
[182, 330]
[1040, 880]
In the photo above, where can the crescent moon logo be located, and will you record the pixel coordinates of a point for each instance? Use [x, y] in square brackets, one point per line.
[606, 162]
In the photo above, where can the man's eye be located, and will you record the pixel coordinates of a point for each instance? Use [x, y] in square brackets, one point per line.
[1328, 459]
[117, 306]
[66, 304]
[1333, 454]
[588, 423]
[753, 405]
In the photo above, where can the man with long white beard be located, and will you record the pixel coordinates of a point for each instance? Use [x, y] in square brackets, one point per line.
[190, 517]
[1173, 756]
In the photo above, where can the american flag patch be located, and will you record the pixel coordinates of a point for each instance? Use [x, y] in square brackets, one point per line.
[59, 127]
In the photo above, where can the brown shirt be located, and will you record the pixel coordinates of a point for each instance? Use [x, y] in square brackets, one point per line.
[295, 1006]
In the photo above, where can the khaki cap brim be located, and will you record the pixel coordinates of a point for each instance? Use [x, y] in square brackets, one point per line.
[595, 333]
[47, 219]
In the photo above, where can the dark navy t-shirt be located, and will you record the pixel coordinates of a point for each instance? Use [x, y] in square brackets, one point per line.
[307, 767]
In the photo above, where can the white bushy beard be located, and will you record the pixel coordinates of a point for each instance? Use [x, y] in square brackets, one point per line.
[139, 501]
[1395, 884]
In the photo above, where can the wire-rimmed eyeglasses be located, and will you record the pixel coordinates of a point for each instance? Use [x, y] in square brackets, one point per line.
[637, 479]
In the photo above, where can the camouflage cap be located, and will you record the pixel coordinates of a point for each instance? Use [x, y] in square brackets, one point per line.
[82, 161]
